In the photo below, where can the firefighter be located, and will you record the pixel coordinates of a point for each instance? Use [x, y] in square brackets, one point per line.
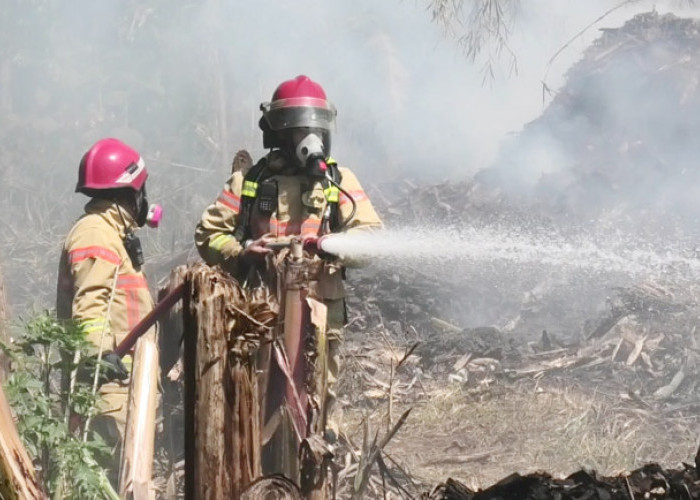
[297, 189]
[101, 284]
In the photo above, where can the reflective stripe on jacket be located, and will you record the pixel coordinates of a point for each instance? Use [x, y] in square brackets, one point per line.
[93, 251]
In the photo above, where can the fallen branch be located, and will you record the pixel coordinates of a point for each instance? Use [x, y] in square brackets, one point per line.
[370, 453]
[463, 459]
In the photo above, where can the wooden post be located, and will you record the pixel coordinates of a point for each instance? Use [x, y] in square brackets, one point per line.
[224, 326]
[315, 454]
[137, 454]
[296, 381]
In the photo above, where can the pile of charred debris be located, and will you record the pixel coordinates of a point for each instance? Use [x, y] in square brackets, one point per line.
[624, 128]
[650, 481]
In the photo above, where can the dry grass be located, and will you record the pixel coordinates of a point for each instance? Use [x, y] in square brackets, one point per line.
[481, 435]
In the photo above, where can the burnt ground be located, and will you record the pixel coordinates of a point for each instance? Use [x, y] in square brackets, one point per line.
[479, 419]
[518, 380]
[613, 403]
[569, 381]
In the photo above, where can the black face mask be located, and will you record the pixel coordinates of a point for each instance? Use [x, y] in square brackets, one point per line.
[132, 244]
[141, 208]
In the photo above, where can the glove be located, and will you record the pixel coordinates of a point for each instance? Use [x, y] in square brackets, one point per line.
[111, 369]
[242, 162]
[254, 251]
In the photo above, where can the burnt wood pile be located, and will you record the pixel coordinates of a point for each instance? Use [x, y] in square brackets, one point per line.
[650, 481]
[624, 126]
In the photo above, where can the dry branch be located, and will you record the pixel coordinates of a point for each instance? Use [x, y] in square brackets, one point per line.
[17, 478]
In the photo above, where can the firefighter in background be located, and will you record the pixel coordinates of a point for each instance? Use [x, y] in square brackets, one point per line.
[297, 189]
[100, 282]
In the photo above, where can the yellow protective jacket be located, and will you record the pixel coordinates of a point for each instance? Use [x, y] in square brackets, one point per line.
[93, 262]
[301, 203]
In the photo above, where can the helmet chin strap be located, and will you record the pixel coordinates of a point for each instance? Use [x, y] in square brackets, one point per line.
[121, 215]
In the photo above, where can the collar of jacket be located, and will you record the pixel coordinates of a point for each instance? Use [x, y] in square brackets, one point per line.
[110, 211]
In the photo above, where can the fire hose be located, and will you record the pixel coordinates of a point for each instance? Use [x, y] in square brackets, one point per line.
[149, 320]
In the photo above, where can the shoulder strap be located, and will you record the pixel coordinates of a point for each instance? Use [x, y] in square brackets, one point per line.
[249, 191]
[259, 172]
[332, 193]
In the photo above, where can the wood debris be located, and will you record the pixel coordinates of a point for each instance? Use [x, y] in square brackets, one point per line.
[650, 481]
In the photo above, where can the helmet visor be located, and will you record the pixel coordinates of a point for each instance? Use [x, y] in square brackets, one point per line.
[280, 115]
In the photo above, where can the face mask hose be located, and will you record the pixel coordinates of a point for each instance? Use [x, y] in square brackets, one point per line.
[352, 200]
[309, 152]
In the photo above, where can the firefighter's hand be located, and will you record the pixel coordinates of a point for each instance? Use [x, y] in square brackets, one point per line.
[256, 250]
[113, 368]
[242, 162]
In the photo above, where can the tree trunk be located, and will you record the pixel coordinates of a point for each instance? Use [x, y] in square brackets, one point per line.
[235, 339]
[224, 326]
[17, 478]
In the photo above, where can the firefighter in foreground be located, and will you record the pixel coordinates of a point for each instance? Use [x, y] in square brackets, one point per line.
[100, 283]
[297, 189]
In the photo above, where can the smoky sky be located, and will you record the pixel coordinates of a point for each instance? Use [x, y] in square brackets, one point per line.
[409, 101]
[182, 82]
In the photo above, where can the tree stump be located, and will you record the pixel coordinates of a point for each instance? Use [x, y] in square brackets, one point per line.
[224, 328]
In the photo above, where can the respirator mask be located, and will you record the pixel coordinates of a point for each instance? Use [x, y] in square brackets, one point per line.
[145, 213]
[310, 154]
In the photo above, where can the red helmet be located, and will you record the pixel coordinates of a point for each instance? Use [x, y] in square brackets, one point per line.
[110, 164]
[300, 102]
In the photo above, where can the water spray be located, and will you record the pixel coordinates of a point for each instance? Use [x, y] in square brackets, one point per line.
[499, 246]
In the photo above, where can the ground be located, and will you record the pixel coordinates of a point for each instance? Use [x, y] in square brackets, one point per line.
[480, 420]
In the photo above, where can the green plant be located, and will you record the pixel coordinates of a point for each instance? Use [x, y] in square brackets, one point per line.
[48, 400]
